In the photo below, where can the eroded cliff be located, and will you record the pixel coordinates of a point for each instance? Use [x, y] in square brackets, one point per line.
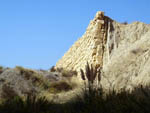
[122, 50]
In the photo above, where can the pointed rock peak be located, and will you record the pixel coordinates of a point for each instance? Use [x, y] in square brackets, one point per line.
[99, 15]
[88, 48]
[121, 50]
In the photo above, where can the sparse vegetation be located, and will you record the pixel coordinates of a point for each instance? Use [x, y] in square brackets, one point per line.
[29, 74]
[64, 72]
[122, 102]
[40, 81]
[60, 86]
[31, 104]
[93, 77]
[93, 100]
[68, 73]
[8, 92]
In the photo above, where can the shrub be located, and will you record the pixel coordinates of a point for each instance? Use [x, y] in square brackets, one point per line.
[7, 92]
[31, 104]
[90, 74]
[37, 79]
[94, 100]
[29, 74]
[121, 102]
[67, 73]
[60, 86]
[64, 72]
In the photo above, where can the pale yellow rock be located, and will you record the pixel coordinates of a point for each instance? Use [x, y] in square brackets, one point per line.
[123, 51]
[99, 15]
[85, 46]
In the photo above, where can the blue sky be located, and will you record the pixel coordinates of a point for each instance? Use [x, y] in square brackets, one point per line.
[36, 33]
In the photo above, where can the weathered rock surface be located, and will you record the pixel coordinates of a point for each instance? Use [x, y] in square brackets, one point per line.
[127, 56]
[122, 50]
[88, 48]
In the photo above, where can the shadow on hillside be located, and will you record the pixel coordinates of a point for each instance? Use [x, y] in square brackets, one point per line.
[92, 100]
[136, 101]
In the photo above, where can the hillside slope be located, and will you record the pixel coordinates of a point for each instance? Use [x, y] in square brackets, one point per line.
[122, 50]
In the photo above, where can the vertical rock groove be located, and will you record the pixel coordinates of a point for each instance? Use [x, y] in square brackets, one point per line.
[120, 49]
[90, 47]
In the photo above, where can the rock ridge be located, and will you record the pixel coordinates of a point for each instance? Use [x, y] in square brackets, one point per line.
[121, 50]
[92, 41]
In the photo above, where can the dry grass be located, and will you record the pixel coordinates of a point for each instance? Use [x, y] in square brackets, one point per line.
[7, 92]
[46, 86]
[90, 74]
[28, 73]
[67, 73]
[57, 87]
[122, 102]
[92, 101]
[68, 82]
[36, 78]
[64, 72]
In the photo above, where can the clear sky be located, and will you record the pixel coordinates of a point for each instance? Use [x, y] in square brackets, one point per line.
[36, 33]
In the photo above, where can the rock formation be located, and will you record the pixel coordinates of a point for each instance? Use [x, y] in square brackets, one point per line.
[122, 50]
[88, 48]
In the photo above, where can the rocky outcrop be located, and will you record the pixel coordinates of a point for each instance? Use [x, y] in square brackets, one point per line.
[90, 47]
[127, 56]
[122, 50]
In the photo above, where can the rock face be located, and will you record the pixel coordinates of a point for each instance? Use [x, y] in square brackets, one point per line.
[122, 50]
[127, 56]
[88, 48]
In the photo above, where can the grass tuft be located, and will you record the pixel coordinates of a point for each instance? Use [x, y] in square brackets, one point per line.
[57, 87]
[37, 79]
[93, 100]
[113, 102]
